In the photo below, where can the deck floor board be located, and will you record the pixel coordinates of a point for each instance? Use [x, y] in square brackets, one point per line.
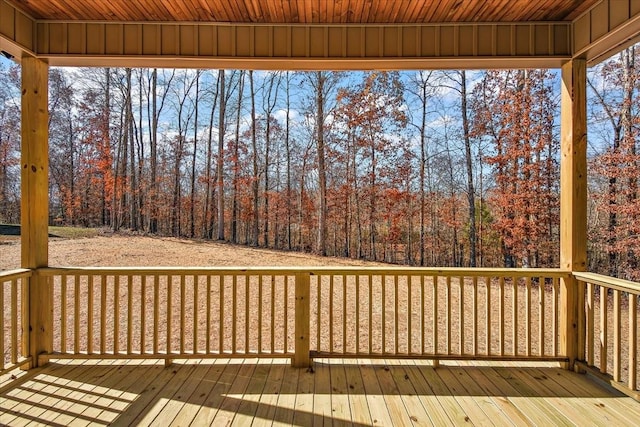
[335, 392]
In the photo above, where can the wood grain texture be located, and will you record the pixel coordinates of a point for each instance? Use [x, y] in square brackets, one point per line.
[308, 11]
[35, 201]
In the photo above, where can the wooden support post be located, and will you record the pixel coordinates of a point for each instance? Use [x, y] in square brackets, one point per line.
[35, 205]
[301, 357]
[573, 202]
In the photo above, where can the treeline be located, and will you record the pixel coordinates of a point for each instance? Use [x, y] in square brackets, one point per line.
[425, 168]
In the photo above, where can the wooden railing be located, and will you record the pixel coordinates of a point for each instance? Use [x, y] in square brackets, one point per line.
[172, 312]
[608, 329]
[436, 313]
[306, 312]
[14, 315]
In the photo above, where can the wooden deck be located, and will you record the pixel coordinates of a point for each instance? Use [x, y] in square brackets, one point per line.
[337, 392]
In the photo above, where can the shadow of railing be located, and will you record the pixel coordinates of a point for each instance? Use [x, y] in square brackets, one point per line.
[132, 392]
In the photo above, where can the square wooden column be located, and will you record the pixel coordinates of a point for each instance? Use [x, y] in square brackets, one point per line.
[573, 201]
[35, 206]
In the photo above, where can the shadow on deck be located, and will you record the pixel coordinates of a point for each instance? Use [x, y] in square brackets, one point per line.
[338, 392]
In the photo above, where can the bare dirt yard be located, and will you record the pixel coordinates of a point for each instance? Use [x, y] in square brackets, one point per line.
[118, 250]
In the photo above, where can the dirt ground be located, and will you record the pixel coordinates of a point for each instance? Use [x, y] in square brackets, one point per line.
[154, 251]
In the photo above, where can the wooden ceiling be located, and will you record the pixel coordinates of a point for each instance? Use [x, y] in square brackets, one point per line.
[307, 11]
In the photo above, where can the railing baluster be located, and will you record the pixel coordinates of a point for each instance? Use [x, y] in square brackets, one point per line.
[383, 284]
[344, 314]
[63, 314]
[116, 314]
[331, 280]
[603, 329]
[528, 315]
[487, 281]
[156, 313]
[143, 317]
[541, 323]
[514, 312]
[14, 322]
[409, 312]
[103, 314]
[260, 284]
[434, 311]
[196, 285]
[590, 323]
[370, 304]
[448, 322]
[556, 284]
[319, 310]
[76, 314]
[12, 315]
[616, 335]
[633, 342]
[396, 305]
[286, 312]
[501, 315]
[357, 313]
[183, 310]
[208, 316]
[169, 309]
[580, 321]
[25, 290]
[423, 320]
[234, 314]
[461, 333]
[475, 315]
[90, 314]
[273, 311]
[247, 312]
[221, 284]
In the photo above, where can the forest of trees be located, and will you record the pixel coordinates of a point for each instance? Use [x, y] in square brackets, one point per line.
[433, 168]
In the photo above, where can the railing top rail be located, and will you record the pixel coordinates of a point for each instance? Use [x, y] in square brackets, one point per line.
[314, 270]
[608, 282]
[15, 274]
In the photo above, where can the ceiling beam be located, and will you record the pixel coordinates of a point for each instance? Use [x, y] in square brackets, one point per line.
[312, 46]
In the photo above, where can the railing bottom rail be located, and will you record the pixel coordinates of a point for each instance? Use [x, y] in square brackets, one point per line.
[606, 379]
[420, 356]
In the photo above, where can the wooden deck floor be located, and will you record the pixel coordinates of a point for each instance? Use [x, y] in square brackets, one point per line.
[349, 392]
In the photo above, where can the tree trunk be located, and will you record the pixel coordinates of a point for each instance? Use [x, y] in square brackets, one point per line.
[322, 172]
[256, 177]
[236, 163]
[194, 156]
[288, 148]
[220, 163]
[471, 199]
